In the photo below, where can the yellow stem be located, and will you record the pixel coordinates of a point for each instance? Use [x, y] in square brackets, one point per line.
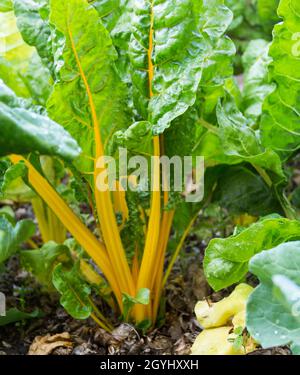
[32, 244]
[99, 314]
[264, 175]
[95, 279]
[58, 231]
[40, 214]
[166, 226]
[100, 324]
[150, 255]
[83, 236]
[120, 204]
[162, 248]
[103, 200]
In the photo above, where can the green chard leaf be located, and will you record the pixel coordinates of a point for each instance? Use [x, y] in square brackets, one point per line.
[218, 57]
[142, 298]
[116, 16]
[41, 262]
[234, 141]
[32, 21]
[238, 9]
[11, 237]
[183, 35]
[88, 57]
[226, 260]
[184, 134]
[256, 82]
[23, 130]
[20, 66]
[241, 142]
[267, 12]
[6, 5]
[280, 123]
[273, 309]
[14, 315]
[240, 191]
[12, 185]
[74, 292]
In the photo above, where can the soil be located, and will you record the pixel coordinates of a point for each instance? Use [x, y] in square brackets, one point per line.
[176, 334]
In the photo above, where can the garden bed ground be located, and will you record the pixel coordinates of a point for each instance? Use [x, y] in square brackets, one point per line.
[186, 286]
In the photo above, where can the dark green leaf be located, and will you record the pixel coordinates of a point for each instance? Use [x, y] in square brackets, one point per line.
[241, 191]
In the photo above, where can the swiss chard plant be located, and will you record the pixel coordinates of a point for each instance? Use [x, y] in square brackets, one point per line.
[159, 79]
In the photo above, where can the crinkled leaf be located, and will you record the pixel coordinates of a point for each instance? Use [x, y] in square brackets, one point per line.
[181, 138]
[88, 58]
[74, 292]
[280, 124]
[226, 260]
[267, 12]
[32, 20]
[273, 308]
[137, 139]
[218, 60]
[240, 141]
[20, 66]
[11, 237]
[238, 8]
[182, 48]
[256, 81]
[37, 80]
[216, 51]
[41, 262]
[116, 16]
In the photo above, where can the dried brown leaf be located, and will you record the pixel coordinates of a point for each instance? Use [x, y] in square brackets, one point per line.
[44, 345]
